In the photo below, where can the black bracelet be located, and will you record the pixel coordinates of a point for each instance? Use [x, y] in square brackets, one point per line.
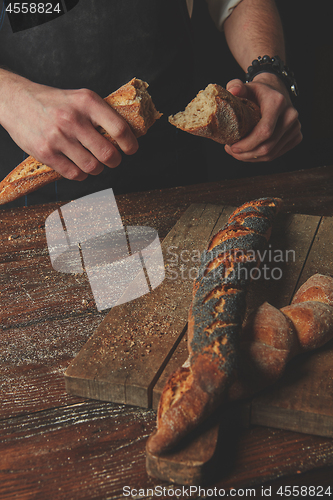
[273, 65]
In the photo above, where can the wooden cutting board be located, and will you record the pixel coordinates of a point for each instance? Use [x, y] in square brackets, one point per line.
[138, 344]
[125, 357]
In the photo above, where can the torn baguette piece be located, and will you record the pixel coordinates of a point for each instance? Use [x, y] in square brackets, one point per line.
[131, 101]
[218, 115]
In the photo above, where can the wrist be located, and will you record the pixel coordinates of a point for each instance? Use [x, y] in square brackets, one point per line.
[273, 66]
[14, 89]
[273, 81]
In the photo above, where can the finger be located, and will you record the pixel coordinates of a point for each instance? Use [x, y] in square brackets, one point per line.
[104, 116]
[284, 127]
[289, 140]
[65, 167]
[120, 131]
[102, 150]
[287, 126]
[291, 144]
[83, 159]
[81, 156]
[292, 137]
[271, 110]
[270, 134]
[237, 88]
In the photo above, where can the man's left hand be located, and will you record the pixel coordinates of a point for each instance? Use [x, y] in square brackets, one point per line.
[279, 129]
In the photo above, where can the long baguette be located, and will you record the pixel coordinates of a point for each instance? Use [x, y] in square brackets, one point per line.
[214, 326]
[133, 103]
[218, 115]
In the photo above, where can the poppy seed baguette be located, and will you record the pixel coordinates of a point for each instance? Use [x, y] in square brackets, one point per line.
[214, 325]
[131, 101]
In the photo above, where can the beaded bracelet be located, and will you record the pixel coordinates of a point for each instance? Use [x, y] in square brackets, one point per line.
[273, 65]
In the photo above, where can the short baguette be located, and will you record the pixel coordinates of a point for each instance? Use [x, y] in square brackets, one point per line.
[218, 115]
[273, 337]
[131, 101]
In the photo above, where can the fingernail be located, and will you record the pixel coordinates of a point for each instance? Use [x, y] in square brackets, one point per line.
[236, 150]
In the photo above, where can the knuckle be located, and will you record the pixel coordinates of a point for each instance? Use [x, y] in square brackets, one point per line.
[266, 131]
[121, 129]
[264, 150]
[107, 155]
[235, 81]
[90, 165]
[86, 96]
[75, 175]
[45, 152]
[294, 115]
[133, 148]
[280, 99]
[63, 118]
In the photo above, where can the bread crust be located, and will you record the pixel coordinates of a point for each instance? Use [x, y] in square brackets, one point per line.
[313, 323]
[227, 362]
[228, 120]
[26, 178]
[131, 101]
[214, 326]
[135, 105]
[272, 337]
[319, 288]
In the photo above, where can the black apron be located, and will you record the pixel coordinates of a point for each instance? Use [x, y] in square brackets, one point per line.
[100, 45]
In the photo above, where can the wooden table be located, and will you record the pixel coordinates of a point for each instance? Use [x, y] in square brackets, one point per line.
[63, 447]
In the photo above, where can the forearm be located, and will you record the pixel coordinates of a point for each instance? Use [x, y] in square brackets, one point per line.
[254, 29]
[11, 85]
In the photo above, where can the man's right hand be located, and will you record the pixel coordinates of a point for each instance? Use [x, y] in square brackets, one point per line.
[58, 127]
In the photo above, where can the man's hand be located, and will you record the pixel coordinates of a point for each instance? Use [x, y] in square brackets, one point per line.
[58, 127]
[278, 131]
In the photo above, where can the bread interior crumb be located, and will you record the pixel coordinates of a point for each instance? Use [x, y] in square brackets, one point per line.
[198, 112]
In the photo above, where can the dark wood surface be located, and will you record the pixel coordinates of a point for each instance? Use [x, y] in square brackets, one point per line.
[121, 362]
[60, 446]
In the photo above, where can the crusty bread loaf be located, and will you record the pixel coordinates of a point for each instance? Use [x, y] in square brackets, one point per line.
[131, 101]
[215, 322]
[270, 339]
[218, 115]
[26, 178]
[318, 287]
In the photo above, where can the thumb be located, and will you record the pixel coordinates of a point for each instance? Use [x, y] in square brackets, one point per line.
[237, 88]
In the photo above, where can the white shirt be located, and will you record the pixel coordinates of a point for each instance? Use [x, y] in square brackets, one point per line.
[219, 10]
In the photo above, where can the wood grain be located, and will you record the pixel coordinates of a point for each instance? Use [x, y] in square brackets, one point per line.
[302, 399]
[125, 356]
[93, 449]
[58, 446]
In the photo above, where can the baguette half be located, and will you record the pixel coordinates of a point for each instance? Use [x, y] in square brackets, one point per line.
[131, 101]
[218, 115]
